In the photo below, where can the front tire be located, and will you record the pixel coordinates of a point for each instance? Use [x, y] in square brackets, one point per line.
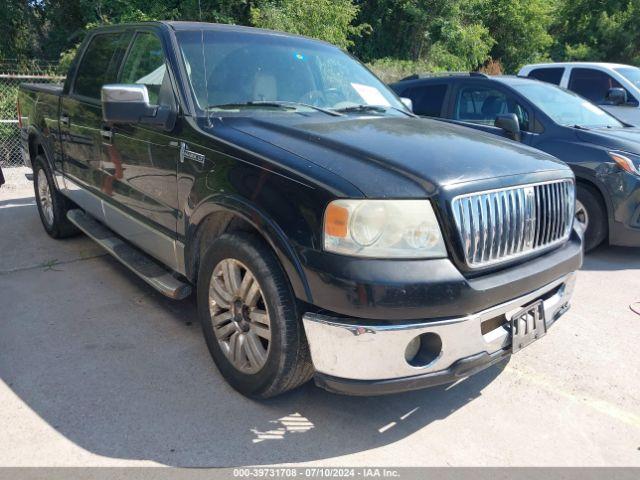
[250, 319]
[52, 205]
[591, 215]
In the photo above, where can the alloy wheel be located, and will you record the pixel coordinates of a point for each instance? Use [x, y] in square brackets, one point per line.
[239, 316]
[582, 215]
[44, 194]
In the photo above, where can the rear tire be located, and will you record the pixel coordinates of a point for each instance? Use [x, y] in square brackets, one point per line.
[591, 214]
[52, 205]
[250, 319]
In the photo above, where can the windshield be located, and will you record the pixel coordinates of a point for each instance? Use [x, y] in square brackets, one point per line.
[229, 68]
[630, 73]
[564, 107]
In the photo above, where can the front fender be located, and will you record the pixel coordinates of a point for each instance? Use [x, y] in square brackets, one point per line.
[263, 223]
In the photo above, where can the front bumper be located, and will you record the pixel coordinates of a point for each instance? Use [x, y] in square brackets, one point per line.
[397, 291]
[358, 358]
[623, 190]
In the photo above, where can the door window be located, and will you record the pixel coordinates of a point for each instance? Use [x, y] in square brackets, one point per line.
[592, 84]
[100, 63]
[482, 105]
[549, 75]
[145, 65]
[427, 99]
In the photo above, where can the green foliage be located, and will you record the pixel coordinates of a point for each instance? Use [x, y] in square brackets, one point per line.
[605, 30]
[442, 33]
[329, 20]
[461, 47]
[391, 70]
[394, 35]
[19, 19]
[520, 29]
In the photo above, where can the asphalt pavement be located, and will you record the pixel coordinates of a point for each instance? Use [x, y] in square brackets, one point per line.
[98, 369]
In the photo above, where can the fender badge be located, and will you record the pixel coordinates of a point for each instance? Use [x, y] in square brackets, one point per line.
[186, 153]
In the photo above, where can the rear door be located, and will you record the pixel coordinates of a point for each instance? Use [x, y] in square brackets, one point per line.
[81, 124]
[428, 98]
[548, 74]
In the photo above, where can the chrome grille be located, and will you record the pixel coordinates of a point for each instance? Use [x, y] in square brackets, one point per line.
[498, 225]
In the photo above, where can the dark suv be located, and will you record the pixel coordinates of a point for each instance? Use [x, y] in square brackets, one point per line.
[327, 231]
[603, 152]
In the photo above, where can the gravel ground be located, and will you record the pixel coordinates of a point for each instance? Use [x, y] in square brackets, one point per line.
[98, 369]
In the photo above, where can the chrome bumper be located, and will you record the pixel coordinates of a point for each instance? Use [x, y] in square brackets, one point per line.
[362, 351]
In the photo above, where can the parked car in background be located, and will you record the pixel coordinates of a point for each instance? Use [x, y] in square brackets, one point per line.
[327, 232]
[603, 152]
[615, 87]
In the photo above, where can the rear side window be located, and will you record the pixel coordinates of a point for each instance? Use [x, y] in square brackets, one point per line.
[427, 99]
[99, 64]
[549, 75]
[592, 84]
[145, 65]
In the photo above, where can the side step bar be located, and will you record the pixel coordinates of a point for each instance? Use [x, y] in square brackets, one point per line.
[134, 259]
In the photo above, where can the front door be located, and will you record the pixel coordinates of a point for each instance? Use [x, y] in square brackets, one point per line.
[140, 161]
[477, 105]
[594, 84]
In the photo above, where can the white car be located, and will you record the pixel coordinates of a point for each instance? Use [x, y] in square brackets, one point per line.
[615, 87]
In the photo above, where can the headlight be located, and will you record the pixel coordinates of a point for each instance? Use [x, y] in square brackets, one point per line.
[383, 229]
[627, 161]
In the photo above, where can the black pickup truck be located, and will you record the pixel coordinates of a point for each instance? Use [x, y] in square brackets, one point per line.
[327, 231]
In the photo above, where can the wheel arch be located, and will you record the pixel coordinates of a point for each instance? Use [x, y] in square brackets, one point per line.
[604, 199]
[212, 218]
[38, 144]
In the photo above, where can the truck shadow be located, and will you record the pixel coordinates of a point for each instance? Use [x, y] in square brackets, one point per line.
[124, 373]
[606, 258]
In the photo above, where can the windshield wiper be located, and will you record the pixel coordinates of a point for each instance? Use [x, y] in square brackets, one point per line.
[275, 104]
[372, 108]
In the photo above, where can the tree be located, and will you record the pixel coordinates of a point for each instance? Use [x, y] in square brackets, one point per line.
[519, 28]
[19, 20]
[606, 30]
[329, 20]
[441, 33]
[68, 20]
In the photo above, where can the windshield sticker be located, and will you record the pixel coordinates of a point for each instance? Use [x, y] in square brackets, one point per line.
[371, 95]
[592, 108]
[299, 56]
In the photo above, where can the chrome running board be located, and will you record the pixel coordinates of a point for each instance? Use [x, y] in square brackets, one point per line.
[147, 268]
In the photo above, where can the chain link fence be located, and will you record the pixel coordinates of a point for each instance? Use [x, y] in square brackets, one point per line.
[12, 74]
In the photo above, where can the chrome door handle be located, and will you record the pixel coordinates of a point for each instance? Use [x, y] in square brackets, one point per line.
[65, 120]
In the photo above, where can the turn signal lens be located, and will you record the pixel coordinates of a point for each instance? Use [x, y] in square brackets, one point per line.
[336, 220]
[624, 162]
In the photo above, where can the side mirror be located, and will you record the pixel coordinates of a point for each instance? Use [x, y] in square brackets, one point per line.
[616, 96]
[129, 103]
[407, 103]
[510, 124]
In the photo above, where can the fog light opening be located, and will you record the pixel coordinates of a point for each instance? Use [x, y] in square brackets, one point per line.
[423, 350]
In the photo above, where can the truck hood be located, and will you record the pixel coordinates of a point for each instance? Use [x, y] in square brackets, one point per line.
[391, 156]
[626, 139]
